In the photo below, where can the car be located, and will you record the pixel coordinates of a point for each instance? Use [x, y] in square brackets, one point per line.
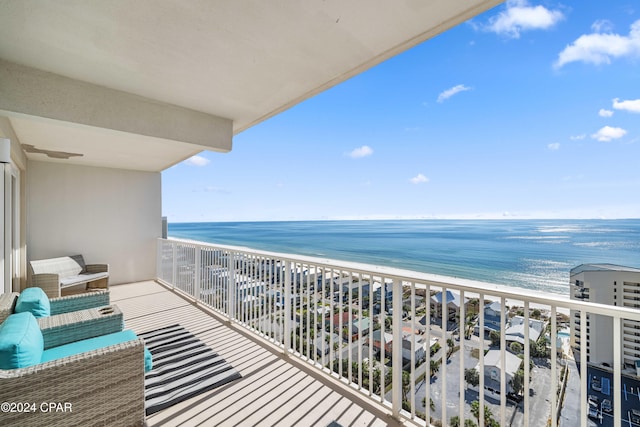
[634, 416]
[606, 406]
[595, 384]
[594, 401]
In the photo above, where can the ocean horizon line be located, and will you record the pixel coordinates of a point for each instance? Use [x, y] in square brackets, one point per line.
[406, 219]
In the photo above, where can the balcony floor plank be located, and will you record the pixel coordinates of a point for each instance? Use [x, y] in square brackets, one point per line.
[271, 392]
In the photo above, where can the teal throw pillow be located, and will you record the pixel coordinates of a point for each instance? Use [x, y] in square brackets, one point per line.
[21, 342]
[35, 301]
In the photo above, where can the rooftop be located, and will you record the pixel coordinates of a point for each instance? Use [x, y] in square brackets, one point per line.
[603, 267]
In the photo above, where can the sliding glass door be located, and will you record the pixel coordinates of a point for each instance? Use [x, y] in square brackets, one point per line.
[10, 216]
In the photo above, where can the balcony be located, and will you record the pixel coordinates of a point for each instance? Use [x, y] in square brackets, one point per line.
[267, 379]
[255, 309]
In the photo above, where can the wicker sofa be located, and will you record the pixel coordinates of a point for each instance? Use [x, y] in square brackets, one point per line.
[54, 274]
[94, 385]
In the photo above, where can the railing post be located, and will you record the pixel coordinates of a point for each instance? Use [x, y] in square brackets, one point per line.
[288, 271]
[174, 266]
[159, 246]
[197, 273]
[231, 285]
[396, 348]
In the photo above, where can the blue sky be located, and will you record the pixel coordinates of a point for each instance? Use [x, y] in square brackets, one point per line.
[531, 110]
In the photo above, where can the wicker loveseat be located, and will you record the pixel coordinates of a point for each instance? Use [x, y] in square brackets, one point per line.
[97, 381]
[53, 274]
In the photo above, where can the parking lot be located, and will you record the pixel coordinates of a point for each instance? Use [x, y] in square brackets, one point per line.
[630, 393]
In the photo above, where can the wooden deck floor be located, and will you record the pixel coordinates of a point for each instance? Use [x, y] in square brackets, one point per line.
[271, 392]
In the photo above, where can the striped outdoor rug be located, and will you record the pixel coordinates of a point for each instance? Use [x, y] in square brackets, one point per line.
[183, 367]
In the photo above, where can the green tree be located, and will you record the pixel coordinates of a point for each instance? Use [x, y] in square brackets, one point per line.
[536, 314]
[516, 347]
[451, 347]
[435, 348]
[406, 384]
[494, 336]
[431, 404]
[434, 366]
[472, 377]
[517, 382]
[488, 416]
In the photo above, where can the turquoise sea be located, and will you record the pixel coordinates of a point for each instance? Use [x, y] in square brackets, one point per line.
[534, 254]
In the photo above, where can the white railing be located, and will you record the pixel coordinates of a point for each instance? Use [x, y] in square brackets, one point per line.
[372, 327]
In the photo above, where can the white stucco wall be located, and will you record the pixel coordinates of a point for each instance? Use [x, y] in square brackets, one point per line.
[108, 215]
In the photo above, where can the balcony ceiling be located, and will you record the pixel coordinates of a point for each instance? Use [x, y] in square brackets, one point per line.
[145, 84]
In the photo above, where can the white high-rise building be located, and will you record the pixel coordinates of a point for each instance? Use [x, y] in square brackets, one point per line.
[606, 284]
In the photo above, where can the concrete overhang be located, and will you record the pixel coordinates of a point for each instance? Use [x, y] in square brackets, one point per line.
[145, 84]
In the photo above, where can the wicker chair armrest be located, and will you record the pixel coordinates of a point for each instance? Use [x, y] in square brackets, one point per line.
[97, 268]
[83, 301]
[50, 283]
[79, 325]
[102, 387]
[7, 305]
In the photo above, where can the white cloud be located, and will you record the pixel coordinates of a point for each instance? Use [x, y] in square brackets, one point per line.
[609, 133]
[520, 16]
[605, 113]
[631, 105]
[419, 179]
[197, 161]
[577, 137]
[359, 152]
[452, 91]
[602, 26]
[554, 146]
[600, 47]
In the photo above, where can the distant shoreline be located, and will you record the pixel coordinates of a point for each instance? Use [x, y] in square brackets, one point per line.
[525, 254]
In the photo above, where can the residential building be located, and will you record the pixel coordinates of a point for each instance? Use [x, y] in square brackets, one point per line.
[493, 368]
[613, 285]
[515, 332]
[339, 320]
[378, 339]
[492, 318]
[452, 302]
[360, 327]
[419, 347]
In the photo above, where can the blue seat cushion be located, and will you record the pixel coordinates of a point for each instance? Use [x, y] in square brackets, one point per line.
[21, 342]
[35, 301]
[91, 344]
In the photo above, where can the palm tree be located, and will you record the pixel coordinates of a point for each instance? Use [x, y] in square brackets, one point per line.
[434, 366]
[450, 347]
[432, 405]
[406, 384]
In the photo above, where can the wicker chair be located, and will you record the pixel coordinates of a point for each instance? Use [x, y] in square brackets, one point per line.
[60, 305]
[101, 387]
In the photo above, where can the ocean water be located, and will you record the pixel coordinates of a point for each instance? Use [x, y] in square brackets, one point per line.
[533, 254]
